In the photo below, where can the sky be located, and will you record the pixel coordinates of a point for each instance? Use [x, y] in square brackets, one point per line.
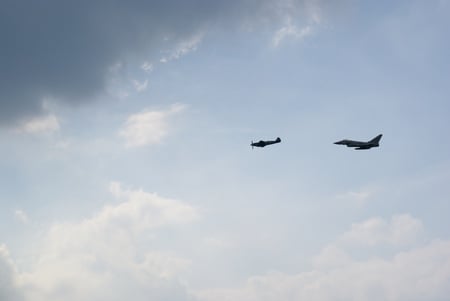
[126, 165]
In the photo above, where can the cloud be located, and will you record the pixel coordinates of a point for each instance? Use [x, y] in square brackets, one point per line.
[21, 216]
[312, 19]
[146, 209]
[291, 31]
[358, 198]
[9, 287]
[419, 273]
[140, 86]
[115, 188]
[400, 230]
[36, 125]
[183, 48]
[64, 51]
[148, 127]
[147, 67]
[110, 256]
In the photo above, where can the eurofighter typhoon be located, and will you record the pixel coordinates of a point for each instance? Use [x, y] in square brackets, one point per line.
[375, 142]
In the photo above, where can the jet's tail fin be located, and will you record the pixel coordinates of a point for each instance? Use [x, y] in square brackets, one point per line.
[278, 139]
[376, 140]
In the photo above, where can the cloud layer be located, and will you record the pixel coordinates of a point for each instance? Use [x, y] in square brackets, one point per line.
[420, 273]
[115, 255]
[110, 256]
[64, 51]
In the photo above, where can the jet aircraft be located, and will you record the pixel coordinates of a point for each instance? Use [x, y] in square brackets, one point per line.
[262, 143]
[375, 142]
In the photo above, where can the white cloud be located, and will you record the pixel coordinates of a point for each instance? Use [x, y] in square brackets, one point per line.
[183, 48]
[147, 209]
[21, 216]
[331, 256]
[9, 286]
[148, 127]
[400, 230]
[110, 256]
[45, 124]
[291, 31]
[116, 189]
[147, 67]
[420, 273]
[140, 86]
[314, 16]
[358, 198]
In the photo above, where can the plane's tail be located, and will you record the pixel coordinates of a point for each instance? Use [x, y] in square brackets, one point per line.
[278, 139]
[376, 140]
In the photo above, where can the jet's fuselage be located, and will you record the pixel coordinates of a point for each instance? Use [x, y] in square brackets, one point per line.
[375, 142]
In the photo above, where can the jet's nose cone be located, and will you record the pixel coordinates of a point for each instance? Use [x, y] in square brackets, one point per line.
[337, 142]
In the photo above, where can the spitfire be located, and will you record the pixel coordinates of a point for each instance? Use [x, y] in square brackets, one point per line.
[262, 143]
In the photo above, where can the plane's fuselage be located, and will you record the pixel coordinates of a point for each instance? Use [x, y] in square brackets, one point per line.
[263, 143]
[352, 143]
[361, 144]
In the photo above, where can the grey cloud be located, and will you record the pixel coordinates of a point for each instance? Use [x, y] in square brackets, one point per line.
[63, 49]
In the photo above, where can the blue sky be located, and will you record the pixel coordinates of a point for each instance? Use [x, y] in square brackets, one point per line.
[127, 170]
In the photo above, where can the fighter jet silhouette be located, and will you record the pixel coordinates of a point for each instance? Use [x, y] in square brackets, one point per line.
[375, 142]
[262, 143]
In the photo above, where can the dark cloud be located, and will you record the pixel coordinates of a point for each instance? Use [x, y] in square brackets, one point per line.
[63, 49]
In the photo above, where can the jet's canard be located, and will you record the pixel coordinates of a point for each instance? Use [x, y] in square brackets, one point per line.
[375, 142]
[262, 143]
